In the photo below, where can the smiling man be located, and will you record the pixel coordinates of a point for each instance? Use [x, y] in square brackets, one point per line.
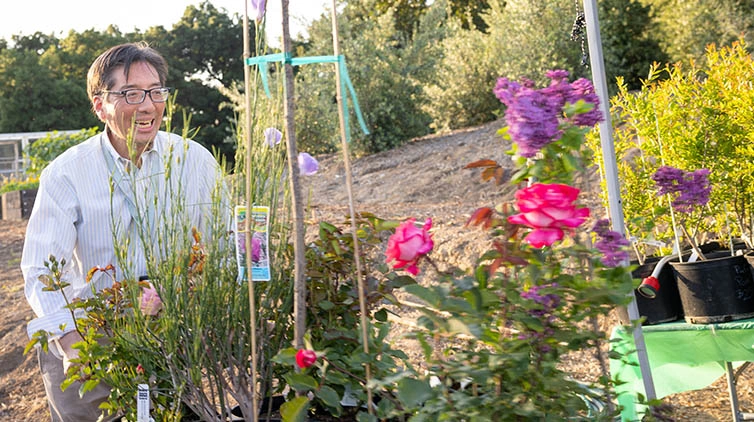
[79, 218]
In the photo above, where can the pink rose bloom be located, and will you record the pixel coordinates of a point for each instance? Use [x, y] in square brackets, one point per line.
[548, 208]
[305, 358]
[150, 303]
[408, 244]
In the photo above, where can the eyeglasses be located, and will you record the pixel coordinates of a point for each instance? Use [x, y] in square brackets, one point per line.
[137, 96]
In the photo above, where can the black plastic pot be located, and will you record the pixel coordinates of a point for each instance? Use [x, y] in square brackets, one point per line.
[718, 289]
[666, 306]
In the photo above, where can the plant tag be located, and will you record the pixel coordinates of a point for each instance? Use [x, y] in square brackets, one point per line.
[142, 403]
[254, 225]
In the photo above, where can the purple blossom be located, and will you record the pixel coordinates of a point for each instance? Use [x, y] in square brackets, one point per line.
[548, 301]
[533, 116]
[307, 164]
[612, 244]
[582, 89]
[257, 9]
[692, 189]
[256, 247]
[272, 136]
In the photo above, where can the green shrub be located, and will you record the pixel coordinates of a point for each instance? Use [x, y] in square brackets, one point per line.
[41, 152]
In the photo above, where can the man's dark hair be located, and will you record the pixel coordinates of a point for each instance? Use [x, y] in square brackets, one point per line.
[100, 77]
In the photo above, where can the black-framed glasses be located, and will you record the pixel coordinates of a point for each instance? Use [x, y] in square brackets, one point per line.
[137, 96]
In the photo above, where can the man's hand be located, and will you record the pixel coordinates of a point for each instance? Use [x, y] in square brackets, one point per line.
[66, 342]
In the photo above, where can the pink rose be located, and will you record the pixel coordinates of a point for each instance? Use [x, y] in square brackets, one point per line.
[305, 358]
[548, 208]
[150, 303]
[408, 244]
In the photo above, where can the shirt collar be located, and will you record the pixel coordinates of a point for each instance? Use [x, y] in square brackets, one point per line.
[157, 147]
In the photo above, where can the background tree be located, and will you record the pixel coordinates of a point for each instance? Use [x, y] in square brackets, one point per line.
[524, 38]
[204, 50]
[629, 41]
[389, 96]
[686, 27]
[33, 99]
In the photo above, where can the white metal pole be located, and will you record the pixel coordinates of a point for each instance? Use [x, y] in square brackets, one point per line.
[611, 174]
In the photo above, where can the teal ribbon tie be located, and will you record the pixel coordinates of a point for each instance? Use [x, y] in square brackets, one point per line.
[262, 63]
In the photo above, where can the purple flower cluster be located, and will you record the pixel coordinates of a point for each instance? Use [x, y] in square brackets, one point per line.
[548, 302]
[612, 244]
[692, 189]
[533, 115]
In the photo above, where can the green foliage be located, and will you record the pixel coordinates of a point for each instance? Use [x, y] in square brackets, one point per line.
[691, 118]
[388, 95]
[33, 99]
[42, 151]
[630, 42]
[12, 185]
[333, 320]
[493, 335]
[686, 27]
[460, 91]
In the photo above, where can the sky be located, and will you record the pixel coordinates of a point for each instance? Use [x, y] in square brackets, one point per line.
[60, 16]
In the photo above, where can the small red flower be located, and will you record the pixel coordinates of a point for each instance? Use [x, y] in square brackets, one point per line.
[140, 369]
[305, 358]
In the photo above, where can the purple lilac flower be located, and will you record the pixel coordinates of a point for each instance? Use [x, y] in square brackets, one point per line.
[549, 301]
[693, 188]
[582, 89]
[307, 164]
[532, 116]
[559, 89]
[612, 244]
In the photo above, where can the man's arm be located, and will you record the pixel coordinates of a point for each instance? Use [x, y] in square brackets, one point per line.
[50, 231]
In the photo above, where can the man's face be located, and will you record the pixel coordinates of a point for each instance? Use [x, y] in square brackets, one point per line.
[137, 121]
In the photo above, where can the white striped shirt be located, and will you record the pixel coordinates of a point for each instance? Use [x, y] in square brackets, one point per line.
[76, 217]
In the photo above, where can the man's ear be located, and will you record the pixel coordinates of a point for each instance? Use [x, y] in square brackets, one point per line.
[98, 107]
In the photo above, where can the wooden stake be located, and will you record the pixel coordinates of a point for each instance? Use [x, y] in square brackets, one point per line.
[249, 199]
[349, 187]
[299, 269]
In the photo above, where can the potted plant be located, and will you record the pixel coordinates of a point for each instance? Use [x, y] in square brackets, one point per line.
[691, 117]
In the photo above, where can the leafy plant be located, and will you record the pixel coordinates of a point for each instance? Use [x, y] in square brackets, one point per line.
[492, 337]
[334, 331]
[691, 117]
[42, 151]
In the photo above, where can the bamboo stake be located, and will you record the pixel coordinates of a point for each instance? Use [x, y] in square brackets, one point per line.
[349, 188]
[299, 269]
[249, 199]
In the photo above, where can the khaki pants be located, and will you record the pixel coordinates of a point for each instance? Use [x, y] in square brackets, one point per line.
[66, 406]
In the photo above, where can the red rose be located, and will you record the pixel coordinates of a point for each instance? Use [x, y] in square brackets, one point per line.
[305, 358]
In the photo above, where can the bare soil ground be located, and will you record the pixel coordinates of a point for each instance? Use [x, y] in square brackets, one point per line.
[424, 178]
